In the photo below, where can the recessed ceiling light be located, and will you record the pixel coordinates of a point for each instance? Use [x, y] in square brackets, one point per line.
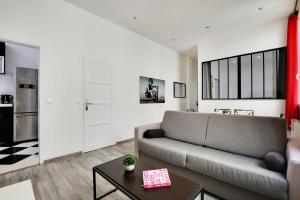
[260, 8]
[135, 18]
[207, 27]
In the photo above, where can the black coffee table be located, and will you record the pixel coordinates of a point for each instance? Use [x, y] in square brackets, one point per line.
[130, 183]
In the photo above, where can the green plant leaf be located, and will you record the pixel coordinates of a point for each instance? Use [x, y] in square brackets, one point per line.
[129, 160]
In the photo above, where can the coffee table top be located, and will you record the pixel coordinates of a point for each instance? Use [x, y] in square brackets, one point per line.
[131, 182]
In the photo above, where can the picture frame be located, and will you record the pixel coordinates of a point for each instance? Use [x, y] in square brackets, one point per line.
[152, 90]
[179, 90]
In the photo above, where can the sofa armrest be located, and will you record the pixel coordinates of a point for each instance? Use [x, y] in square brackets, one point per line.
[138, 134]
[293, 168]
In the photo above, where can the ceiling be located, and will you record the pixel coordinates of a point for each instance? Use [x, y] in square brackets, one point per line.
[182, 24]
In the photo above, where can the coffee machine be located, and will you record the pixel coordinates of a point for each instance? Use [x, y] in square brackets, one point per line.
[6, 99]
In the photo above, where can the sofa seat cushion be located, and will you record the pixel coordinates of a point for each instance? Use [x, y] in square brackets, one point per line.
[168, 150]
[245, 172]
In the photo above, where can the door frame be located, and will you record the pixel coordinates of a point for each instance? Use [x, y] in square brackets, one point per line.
[38, 47]
[84, 61]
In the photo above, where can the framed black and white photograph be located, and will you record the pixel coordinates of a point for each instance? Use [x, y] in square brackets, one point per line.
[152, 90]
[179, 90]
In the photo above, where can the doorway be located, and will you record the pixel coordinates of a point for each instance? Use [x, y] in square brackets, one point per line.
[193, 84]
[191, 63]
[97, 105]
[19, 106]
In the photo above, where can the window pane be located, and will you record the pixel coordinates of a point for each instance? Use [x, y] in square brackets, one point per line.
[270, 74]
[206, 81]
[257, 75]
[246, 76]
[281, 65]
[233, 78]
[224, 79]
[214, 80]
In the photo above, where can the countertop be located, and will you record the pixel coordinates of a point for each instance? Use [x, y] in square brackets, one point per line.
[6, 105]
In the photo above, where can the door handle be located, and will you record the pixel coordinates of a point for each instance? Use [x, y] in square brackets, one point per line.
[87, 105]
[26, 114]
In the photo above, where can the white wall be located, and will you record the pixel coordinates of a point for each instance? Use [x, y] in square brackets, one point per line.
[265, 37]
[16, 56]
[6, 84]
[65, 34]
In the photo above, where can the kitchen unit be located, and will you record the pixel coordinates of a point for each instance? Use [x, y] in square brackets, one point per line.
[19, 145]
[6, 123]
[26, 104]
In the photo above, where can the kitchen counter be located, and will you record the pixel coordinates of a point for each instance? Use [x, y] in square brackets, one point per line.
[6, 105]
[7, 123]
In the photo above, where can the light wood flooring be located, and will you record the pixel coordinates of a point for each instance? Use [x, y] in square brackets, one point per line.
[70, 177]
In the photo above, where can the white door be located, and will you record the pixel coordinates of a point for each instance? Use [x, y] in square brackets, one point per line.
[97, 105]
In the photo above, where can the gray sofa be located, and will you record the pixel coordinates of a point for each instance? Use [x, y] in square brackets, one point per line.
[225, 153]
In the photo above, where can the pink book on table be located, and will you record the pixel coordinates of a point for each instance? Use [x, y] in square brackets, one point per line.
[156, 178]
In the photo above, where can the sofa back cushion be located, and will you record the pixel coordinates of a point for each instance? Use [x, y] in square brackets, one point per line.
[184, 126]
[246, 135]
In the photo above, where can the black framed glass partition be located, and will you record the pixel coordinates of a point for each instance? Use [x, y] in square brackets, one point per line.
[246, 77]
[214, 85]
[224, 86]
[233, 78]
[258, 75]
[206, 80]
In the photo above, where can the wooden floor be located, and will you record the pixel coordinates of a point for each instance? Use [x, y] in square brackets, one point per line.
[70, 177]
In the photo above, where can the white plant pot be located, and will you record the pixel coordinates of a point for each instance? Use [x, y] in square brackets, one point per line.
[129, 168]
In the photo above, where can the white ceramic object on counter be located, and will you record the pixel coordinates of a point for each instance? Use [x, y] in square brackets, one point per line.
[129, 168]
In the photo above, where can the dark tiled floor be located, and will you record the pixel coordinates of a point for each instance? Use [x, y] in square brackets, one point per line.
[12, 159]
[12, 150]
[10, 144]
[13, 154]
[6, 144]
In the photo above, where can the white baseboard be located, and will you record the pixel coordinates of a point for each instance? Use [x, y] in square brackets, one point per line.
[99, 145]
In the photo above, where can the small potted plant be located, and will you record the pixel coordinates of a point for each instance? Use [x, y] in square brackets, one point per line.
[129, 162]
